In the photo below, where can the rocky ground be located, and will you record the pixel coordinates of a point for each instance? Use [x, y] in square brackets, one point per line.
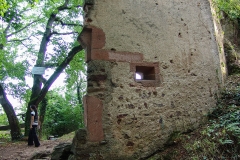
[21, 151]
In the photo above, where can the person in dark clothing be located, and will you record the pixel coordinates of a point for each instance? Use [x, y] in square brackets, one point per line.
[32, 137]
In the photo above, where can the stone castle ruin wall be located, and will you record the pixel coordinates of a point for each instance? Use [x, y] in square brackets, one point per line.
[171, 44]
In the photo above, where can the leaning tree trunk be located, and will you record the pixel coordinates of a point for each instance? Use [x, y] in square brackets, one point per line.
[12, 118]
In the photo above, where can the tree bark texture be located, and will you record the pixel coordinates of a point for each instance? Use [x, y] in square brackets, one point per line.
[37, 84]
[57, 72]
[42, 112]
[36, 100]
[12, 118]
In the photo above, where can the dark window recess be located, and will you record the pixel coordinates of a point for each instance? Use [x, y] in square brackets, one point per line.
[145, 73]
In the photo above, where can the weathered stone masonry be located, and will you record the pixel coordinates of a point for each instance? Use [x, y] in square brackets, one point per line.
[171, 43]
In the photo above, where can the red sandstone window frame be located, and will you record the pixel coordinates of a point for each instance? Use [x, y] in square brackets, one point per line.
[150, 73]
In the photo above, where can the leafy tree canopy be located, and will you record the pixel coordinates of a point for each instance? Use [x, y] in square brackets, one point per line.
[36, 33]
[3, 7]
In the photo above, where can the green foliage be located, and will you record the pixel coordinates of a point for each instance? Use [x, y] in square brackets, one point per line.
[32, 33]
[62, 116]
[3, 7]
[230, 7]
[201, 149]
[230, 94]
[218, 139]
[3, 119]
[76, 72]
[173, 138]
[24, 25]
[3, 39]
[5, 136]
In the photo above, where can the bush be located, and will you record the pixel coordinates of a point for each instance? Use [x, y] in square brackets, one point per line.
[230, 7]
[61, 120]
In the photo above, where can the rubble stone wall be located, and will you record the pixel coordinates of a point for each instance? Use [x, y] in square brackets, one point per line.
[172, 43]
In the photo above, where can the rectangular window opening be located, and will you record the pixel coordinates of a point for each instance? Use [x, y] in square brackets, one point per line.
[145, 73]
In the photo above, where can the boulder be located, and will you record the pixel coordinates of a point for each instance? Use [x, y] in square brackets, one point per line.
[61, 151]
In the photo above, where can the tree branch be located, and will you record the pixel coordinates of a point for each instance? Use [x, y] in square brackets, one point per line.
[27, 25]
[64, 6]
[18, 40]
[66, 24]
[67, 33]
[47, 34]
[8, 26]
[50, 65]
[43, 80]
[57, 72]
[10, 22]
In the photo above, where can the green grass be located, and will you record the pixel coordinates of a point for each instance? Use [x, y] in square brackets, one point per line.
[5, 136]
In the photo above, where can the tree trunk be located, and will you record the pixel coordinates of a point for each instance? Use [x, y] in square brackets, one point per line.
[42, 111]
[12, 118]
[37, 84]
[38, 98]
[79, 95]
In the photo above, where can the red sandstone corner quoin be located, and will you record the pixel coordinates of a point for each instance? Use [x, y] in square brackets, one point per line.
[93, 109]
[93, 40]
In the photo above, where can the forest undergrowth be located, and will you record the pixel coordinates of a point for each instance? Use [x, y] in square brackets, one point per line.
[218, 139]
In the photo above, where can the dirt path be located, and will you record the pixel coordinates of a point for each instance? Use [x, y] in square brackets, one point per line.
[21, 151]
